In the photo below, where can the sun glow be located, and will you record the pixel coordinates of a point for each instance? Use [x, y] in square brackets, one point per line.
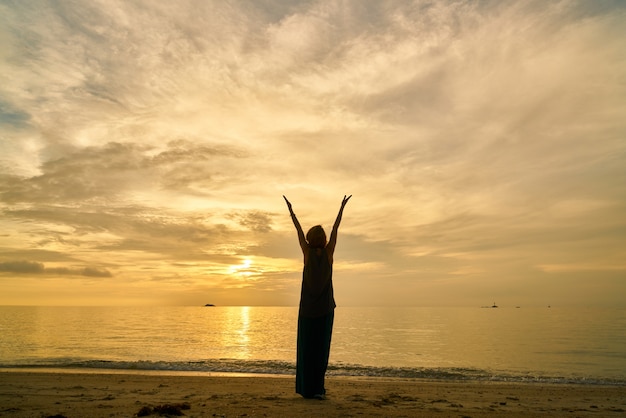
[244, 269]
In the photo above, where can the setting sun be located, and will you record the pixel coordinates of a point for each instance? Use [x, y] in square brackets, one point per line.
[243, 269]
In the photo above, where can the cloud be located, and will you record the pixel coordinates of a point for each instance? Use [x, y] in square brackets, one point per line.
[22, 267]
[34, 267]
[104, 172]
[87, 271]
[131, 228]
[255, 221]
[480, 140]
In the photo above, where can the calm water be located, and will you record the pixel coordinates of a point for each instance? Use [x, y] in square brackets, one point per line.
[582, 345]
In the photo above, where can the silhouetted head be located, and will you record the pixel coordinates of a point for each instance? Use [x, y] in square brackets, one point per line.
[316, 237]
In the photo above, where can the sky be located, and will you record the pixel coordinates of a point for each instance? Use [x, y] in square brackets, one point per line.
[145, 147]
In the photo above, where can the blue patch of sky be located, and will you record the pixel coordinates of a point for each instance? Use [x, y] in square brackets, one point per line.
[11, 116]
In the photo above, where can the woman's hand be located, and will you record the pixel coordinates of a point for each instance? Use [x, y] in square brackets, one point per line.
[343, 202]
[301, 238]
[288, 203]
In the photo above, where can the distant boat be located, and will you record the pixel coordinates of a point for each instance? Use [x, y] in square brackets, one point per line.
[209, 304]
[494, 305]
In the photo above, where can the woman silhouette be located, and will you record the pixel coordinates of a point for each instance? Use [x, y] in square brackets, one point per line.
[317, 306]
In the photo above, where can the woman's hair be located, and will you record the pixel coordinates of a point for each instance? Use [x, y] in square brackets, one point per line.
[316, 237]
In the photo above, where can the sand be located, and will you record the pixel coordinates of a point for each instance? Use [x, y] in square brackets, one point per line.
[115, 394]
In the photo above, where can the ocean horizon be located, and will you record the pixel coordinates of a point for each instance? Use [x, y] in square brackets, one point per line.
[557, 345]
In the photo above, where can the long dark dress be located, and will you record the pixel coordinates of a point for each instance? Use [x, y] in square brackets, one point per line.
[315, 324]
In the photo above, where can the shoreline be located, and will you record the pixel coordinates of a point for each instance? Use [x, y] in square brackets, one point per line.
[124, 393]
[435, 375]
[139, 372]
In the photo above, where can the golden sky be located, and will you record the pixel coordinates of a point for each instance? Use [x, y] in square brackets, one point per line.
[145, 147]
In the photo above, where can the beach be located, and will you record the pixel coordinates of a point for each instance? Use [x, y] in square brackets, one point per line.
[126, 394]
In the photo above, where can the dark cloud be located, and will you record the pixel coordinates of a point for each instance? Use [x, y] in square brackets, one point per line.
[22, 267]
[108, 171]
[87, 272]
[34, 267]
[255, 221]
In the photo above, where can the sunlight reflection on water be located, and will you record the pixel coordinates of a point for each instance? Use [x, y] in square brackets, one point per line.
[557, 341]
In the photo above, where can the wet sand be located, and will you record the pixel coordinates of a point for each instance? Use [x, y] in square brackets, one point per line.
[69, 394]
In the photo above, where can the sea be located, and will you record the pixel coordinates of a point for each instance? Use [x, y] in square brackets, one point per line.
[516, 344]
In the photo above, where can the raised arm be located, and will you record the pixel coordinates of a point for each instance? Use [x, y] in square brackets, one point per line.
[303, 244]
[332, 242]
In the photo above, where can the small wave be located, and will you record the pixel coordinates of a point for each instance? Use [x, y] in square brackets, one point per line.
[276, 367]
